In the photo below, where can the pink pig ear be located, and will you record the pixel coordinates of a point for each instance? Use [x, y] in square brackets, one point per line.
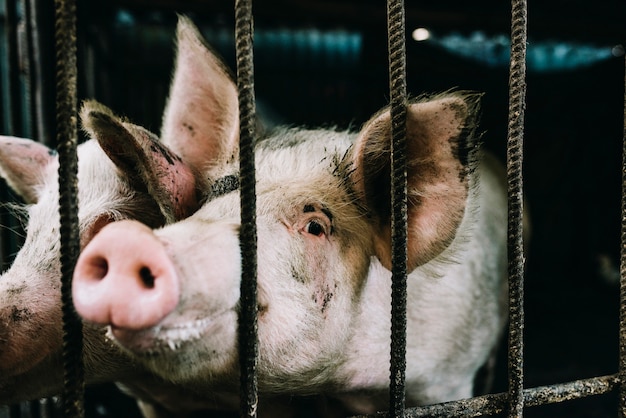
[147, 163]
[24, 164]
[439, 159]
[201, 119]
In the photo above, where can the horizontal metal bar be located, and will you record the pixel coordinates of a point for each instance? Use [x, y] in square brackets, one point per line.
[543, 395]
[496, 403]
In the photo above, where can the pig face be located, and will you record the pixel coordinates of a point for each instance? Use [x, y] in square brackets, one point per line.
[322, 286]
[323, 266]
[124, 172]
[30, 326]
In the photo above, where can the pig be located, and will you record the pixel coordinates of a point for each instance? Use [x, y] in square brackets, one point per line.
[124, 172]
[170, 296]
[111, 188]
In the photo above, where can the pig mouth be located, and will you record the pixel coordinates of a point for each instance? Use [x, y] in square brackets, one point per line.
[166, 337]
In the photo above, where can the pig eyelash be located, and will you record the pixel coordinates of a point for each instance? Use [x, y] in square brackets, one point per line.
[315, 223]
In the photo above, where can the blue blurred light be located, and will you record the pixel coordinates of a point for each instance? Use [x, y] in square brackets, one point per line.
[541, 56]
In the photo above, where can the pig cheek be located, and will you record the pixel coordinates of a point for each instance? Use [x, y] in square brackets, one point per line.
[312, 268]
[337, 272]
[330, 291]
[208, 265]
[320, 275]
[209, 270]
[29, 327]
[332, 272]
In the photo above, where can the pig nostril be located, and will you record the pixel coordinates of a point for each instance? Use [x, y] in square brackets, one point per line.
[146, 277]
[99, 268]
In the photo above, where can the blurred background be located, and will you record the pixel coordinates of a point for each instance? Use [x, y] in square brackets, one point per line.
[323, 62]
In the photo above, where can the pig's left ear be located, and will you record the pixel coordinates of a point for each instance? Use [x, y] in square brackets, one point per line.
[147, 163]
[201, 118]
[24, 164]
[439, 149]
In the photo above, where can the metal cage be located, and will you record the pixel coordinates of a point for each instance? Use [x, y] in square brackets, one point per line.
[20, 98]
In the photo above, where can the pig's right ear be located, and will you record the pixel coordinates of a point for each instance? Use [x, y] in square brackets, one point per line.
[145, 162]
[201, 119]
[23, 163]
[440, 156]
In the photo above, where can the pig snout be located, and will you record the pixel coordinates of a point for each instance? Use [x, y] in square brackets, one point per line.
[124, 278]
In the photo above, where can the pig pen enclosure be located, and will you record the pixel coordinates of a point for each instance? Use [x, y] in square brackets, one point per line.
[323, 62]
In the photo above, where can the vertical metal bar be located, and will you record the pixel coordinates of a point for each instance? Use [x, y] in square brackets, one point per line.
[248, 345]
[517, 96]
[622, 312]
[30, 86]
[13, 121]
[397, 90]
[39, 24]
[66, 128]
[25, 84]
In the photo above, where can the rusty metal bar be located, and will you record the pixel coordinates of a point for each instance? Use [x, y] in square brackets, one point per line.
[622, 313]
[515, 155]
[248, 344]
[397, 91]
[66, 125]
[497, 403]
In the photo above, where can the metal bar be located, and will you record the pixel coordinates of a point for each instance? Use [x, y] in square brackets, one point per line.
[30, 61]
[26, 85]
[13, 121]
[248, 344]
[517, 96]
[397, 90]
[40, 58]
[622, 312]
[497, 403]
[66, 129]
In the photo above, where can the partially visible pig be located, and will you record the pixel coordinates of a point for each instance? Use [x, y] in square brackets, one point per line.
[124, 172]
[30, 320]
[170, 296]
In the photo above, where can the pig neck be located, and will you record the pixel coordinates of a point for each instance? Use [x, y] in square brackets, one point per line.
[455, 309]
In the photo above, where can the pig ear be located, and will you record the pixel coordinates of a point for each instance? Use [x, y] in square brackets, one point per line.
[23, 164]
[201, 119]
[439, 149]
[148, 164]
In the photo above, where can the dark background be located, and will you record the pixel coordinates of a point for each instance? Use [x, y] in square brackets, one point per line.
[325, 63]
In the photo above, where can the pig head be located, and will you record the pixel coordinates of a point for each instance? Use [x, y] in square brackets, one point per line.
[170, 297]
[124, 172]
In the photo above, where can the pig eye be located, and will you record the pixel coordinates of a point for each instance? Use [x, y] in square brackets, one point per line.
[315, 228]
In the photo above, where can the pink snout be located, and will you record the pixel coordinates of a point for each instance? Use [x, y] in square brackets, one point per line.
[124, 278]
